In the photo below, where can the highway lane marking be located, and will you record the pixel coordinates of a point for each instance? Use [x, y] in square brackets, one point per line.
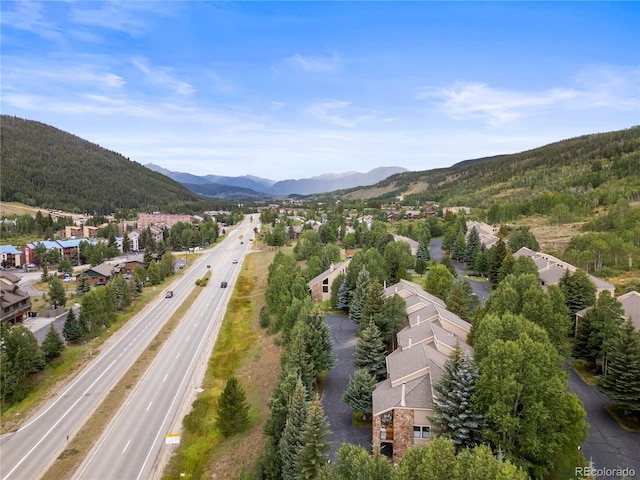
[126, 446]
[178, 355]
[59, 420]
[165, 377]
[188, 338]
[149, 405]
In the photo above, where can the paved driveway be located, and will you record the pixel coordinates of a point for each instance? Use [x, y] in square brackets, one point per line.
[343, 333]
[608, 445]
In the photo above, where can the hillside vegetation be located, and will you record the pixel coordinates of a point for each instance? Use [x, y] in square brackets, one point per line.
[579, 166]
[46, 167]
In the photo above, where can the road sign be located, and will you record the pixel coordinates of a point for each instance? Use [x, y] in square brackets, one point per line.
[172, 439]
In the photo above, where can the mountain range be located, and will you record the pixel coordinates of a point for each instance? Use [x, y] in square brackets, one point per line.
[256, 187]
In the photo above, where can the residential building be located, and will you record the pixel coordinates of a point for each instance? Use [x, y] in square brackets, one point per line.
[552, 269]
[320, 286]
[412, 243]
[630, 306]
[14, 302]
[29, 249]
[10, 256]
[403, 403]
[169, 219]
[486, 232]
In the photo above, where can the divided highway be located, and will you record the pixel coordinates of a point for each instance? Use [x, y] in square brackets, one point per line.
[129, 447]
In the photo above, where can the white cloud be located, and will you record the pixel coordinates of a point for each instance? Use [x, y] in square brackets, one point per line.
[599, 88]
[28, 16]
[314, 64]
[163, 77]
[338, 113]
[131, 17]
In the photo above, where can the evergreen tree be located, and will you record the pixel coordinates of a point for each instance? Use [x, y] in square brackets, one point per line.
[279, 404]
[370, 353]
[373, 306]
[579, 291]
[296, 359]
[336, 285]
[344, 295]
[495, 257]
[622, 381]
[232, 415]
[312, 457]
[318, 342]
[481, 262]
[454, 412]
[293, 435]
[461, 299]
[72, 330]
[423, 251]
[358, 394]
[52, 345]
[598, 329]
[472, 247]
[82, 284]
[363, 284]
[459, 246]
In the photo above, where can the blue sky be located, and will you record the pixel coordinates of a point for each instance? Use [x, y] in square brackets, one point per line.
[296, 89]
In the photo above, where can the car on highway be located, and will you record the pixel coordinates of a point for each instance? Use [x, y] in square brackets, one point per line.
[223, 284]
[235, 261]
[169, 294]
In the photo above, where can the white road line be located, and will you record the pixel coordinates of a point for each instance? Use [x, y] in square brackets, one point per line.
[149, 406]
[165, 377]
[126, 446]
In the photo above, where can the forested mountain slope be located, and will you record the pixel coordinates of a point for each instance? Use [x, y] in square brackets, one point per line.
[46, 167]
[577, 165]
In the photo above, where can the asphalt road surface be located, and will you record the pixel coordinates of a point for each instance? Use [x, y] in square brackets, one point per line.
[608, 445]
[343, 334]
[130, 452]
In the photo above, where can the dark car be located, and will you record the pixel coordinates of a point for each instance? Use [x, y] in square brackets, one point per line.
[223, 284]
[169, 294]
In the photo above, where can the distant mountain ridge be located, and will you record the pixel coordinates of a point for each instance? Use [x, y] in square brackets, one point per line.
[306, 186]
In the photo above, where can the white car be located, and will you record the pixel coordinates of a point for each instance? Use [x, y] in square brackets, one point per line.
[68, 279]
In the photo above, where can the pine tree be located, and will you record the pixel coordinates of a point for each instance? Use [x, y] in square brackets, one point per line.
[72, 330]
[297, 359]
[318, 341]
[370, 351]
[472, 248]
[454, 413]
[82, 284]
[460, 299]
[57, 295]
[232, 415]
[578, 291]
[292, 438]
[373, 306]
[423, 251]
[459, 246]
[312, 457]
[363, 284]
[622, 381]
[358, 394]
[344, 295]
[52, 345]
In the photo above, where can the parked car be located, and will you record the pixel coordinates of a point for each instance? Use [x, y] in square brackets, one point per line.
[169, 294]
[223, 284]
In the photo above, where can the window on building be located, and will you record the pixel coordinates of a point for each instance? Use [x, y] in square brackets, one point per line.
[421, 431]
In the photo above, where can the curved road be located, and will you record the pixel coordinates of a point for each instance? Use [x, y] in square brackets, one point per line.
[27, 452]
